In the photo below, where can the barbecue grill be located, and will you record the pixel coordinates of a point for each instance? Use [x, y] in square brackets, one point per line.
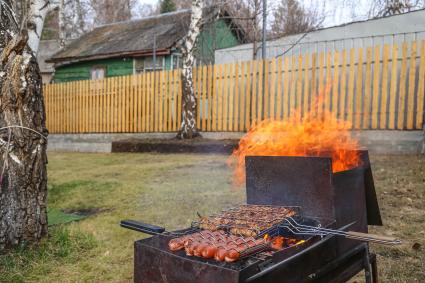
[325, 206]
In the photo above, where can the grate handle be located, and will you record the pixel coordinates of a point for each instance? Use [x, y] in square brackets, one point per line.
[373, 238]
[142, 227]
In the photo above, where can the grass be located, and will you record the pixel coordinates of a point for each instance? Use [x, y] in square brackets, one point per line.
[167, 189]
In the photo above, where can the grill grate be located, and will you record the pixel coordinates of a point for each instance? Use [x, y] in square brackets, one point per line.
[248, 220]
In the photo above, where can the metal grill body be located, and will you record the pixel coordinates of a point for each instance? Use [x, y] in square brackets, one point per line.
[337, 200]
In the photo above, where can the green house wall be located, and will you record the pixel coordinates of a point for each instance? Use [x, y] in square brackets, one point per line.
[212, 37]
[81, 70]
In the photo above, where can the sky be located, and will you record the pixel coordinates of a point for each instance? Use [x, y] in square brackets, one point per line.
[337, 11]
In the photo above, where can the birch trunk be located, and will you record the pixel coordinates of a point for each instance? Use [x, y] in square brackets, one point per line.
[37, 15]
[80, 18]
[188, 127]
[61, 21]
[23, 176]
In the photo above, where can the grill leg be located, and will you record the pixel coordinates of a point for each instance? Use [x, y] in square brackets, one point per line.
[375, 270]
[367, 266]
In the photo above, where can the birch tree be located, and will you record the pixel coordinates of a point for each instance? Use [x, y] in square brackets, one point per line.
[61, 19]
[290, 17]
[188, 127]
[111, 11]
[23, 179]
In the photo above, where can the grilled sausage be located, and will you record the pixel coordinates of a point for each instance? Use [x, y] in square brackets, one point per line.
[220, 254]
[190, 248]
[209, 252]
[176, 244]
[232, 255]
[199, 249]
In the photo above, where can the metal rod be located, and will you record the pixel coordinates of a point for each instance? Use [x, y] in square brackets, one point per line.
[367, 270]
[312, 230]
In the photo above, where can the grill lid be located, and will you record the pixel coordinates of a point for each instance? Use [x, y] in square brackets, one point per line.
[309, 182]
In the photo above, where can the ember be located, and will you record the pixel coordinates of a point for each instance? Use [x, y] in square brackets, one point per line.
[311, 135]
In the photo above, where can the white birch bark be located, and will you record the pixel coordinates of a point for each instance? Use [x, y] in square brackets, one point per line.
[23, 159]
[61, 21]
[36, 17]
[80, 18]
[188, 127]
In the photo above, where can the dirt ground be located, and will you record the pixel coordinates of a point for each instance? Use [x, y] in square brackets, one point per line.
[167, 189]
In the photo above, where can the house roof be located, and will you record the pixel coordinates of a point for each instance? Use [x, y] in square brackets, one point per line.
[134, 37]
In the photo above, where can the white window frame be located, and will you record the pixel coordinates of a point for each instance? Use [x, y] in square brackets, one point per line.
[96, 71]
[149, 69]
[177, 56]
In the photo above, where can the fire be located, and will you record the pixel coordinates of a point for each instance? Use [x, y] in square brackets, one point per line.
[311, 135]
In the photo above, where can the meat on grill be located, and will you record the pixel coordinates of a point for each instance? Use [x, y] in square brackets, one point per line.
[246, 220]
[222, 247]
[215, 244]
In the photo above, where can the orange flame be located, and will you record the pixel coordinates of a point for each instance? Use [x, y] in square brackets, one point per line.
[316, 134]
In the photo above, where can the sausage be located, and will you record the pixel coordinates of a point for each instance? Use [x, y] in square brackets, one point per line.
[209, 252]
[197, 251]
[220, 254]
[232, 255]
[190, 248]
[176, 244]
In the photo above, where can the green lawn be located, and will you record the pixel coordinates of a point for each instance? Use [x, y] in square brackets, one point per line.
[167, 189]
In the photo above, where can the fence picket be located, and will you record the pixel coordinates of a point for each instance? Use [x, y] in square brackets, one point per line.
[253, 93]
[279, 90]
[327, 89]
[306, 92]
[393, 89]
[220, 102]
[313, 92]
[375, 96]
[421, 91]
[292, 94]
[236, 106]
[321, 91]
[248, 93]
[350, 94]
[214, 97]
[285, 98]
[204, 99]
[299, 82]
[402, 92]
[266, 91]
[175, 110]
[384, 86]
[359, 90]
[367, 90]
[272, 96]
[342, 93]
[259, 94]
[335, 86]
[230, 92]
[411, 85]
[243, 95]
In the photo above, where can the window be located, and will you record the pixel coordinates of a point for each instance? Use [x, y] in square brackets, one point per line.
[145, 64]
[176, 61]
[98, 72]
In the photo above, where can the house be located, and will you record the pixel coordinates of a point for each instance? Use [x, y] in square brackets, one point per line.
[378, 31]
[127, 47]
[46, 49]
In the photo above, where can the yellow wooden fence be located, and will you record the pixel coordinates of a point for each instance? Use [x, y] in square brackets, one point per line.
[380, 87]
